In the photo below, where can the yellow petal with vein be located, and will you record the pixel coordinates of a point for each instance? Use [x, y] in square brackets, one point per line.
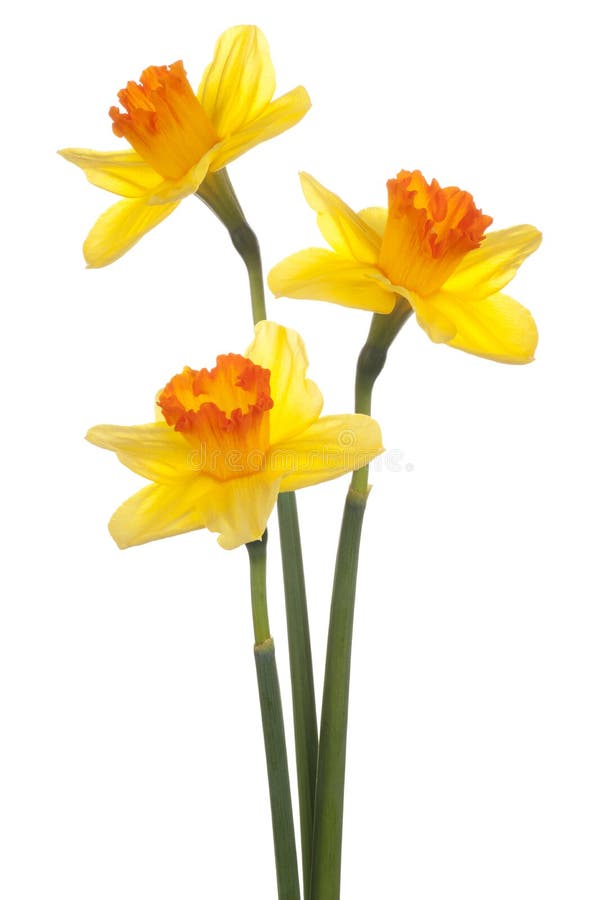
[124, 173]
[491, 266]
[159, 511]
[342, 228]
[238, 509]
[174, 190]
[278, 116]
[239, 82]
[495, 327]
[155, 451]
[297, 401]
[436, 325]
[120, 227]
[317, 274]
[375, 217]
[327, 449]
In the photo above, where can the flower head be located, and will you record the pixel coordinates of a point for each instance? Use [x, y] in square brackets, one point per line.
[179, 137]
[229, 440]
[429, 247]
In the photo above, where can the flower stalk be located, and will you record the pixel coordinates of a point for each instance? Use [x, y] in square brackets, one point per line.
[218, 193]
[301, 669]
[329, 793]
[331, 770]
[286, 864]
[369, 366]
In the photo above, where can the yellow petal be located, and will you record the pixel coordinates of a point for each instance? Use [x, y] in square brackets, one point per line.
[297, 401]
[159, 511]
[327, 449]
[173, 190]
[239, 82]
[238, 509]
[495, 327]
[120, 227]
[491, 266]
[438, 327]
[317, 274]
[375, 217]
[154, 451]
[278, 116]
[124, 173]
[342, 228]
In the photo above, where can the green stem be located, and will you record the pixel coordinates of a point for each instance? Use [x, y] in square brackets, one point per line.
[331, 770]
[245, 242]
[286, 863]
[257, 551]
[301, 669]
[329, 796]
[217, 192]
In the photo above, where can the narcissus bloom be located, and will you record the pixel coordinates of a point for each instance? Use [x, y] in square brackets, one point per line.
[178, 137]
[429, 246]
[229, 440]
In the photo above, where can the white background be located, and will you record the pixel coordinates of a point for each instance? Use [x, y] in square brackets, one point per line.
[131, 756]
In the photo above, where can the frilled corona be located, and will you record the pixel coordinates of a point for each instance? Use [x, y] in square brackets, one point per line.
[164, 122]
[223, 413]
[429, 230]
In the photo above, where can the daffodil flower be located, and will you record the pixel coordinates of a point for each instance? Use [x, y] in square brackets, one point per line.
[429, 247]
[179, 137]
[229, 440]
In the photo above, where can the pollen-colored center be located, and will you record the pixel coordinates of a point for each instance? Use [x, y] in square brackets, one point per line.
[428, 232]
[164, 121]
[223, 414]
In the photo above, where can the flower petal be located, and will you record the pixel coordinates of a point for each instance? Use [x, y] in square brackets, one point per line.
[159, 511]
[175, 190]
[297, 401]
[155, 451]
[317, 274]
[239, 508]
[491, 266]
[327, 449]
[439, 328]
[239, 82]
[278, 116]
[342, 228]
[495, 327]
[120, 227]
[124, 173]
[375, 217]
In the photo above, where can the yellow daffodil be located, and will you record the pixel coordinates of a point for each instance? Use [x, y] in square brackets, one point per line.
[429, 246]
[229, 440]
[179, 137]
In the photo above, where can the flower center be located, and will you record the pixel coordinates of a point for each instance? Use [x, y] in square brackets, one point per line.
[164, 122]
[428, 232]
[223, 413]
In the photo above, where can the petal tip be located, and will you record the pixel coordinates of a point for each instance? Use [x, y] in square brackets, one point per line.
[91, 435]
[121, 544]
